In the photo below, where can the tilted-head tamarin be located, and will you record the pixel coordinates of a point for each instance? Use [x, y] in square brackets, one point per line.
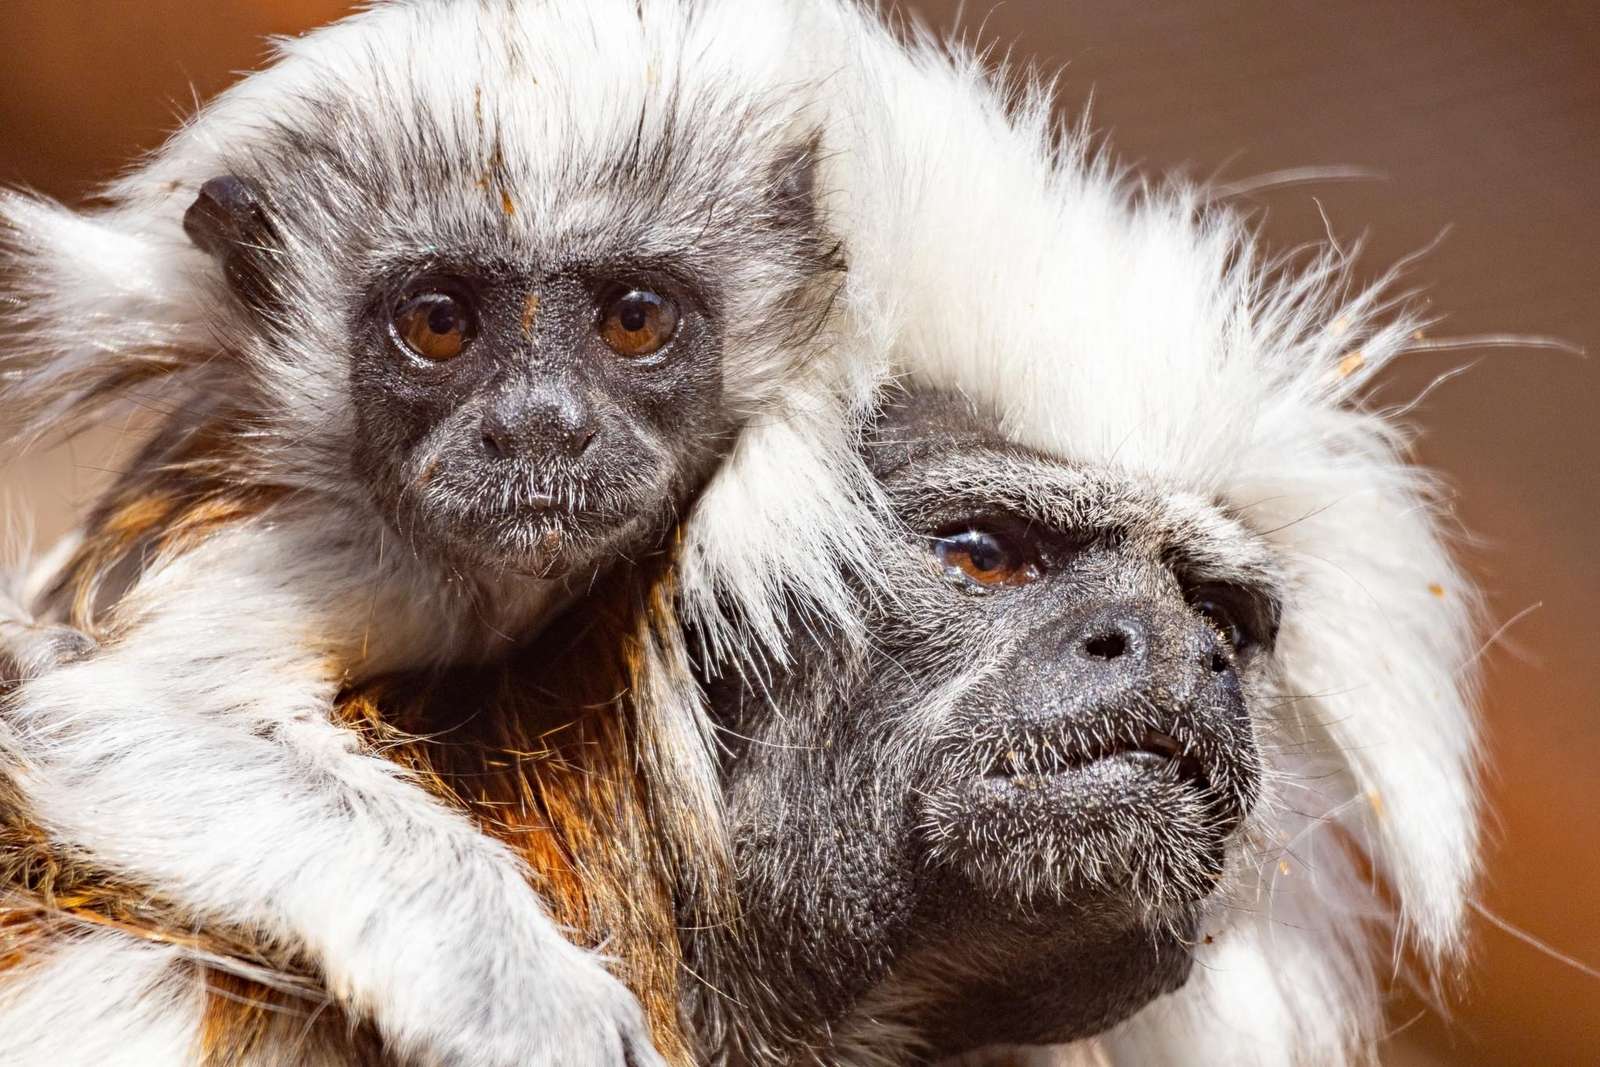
[1175, 669]
[445, 313]
[1172, 447]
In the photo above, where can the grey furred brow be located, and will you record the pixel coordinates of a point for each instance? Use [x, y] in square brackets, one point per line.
[1199, 541]
[916, 447]
[423, 258]
[1014, 481]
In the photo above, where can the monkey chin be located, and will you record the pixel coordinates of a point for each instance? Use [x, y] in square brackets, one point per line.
[1051, 977]
[1126, 832]
[537, 539]
[1067, 897]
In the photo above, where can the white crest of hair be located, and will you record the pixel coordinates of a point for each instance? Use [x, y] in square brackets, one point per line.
[194, 752]
[1139, 327]
[794, 501]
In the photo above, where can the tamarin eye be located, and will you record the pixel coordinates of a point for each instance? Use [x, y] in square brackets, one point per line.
[1218, 606]
[982, 557]
[638, 323]
[435, 324]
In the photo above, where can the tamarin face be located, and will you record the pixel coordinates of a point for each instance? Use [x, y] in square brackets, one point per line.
[1003, 823]
[522, 326]
[537, 416]
[521, 405]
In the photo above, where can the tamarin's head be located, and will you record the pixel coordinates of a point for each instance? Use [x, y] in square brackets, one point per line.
[1170, 711]
[1009, 819]
[512, 274]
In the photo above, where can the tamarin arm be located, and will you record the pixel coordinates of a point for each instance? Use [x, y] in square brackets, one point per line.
[194, 752]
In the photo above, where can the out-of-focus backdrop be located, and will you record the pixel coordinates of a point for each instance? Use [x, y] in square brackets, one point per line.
[1483, 120]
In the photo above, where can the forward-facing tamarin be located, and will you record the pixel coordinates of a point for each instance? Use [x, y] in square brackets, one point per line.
[446, 312]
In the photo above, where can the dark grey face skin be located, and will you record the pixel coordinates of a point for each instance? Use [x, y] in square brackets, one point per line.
[521, 402]
[541, 448]
[1000, 824]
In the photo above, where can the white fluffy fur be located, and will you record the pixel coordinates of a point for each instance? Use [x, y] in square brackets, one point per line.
[1112, 324]
[419, 921]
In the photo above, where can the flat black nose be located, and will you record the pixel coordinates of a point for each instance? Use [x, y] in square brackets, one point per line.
[1127, 652]
[544, 424]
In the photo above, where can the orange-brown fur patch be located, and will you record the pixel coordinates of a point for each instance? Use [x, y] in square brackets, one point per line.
[530, 313]
[244, 1019]
[183, 488]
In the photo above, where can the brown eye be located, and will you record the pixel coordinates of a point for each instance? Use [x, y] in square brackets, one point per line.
[638, 323]
[436, 325]
[984, 558]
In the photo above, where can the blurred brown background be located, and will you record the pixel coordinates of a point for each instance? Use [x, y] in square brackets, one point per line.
[1483, 118]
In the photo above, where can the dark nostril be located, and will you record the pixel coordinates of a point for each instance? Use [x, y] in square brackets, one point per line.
[1113, 642]
[1106, 646]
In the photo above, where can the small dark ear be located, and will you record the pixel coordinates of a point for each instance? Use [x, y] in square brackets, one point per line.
[229, 222]
[794, 183]
[227, 213]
